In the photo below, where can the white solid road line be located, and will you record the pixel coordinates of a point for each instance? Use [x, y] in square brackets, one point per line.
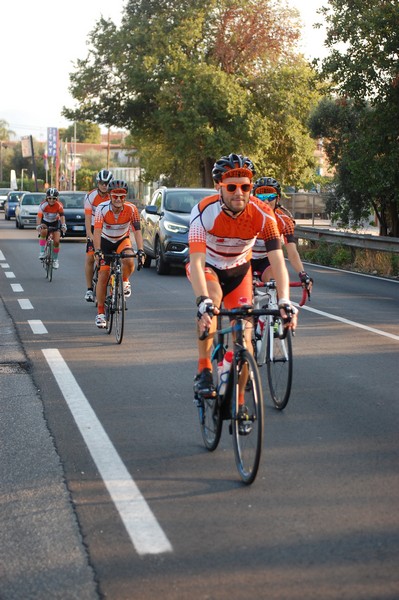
[353, 323]
[37, 326]
[140, 523]
[25, 303]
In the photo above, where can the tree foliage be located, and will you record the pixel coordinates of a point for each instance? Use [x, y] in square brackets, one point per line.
[194, 80]
[361, 120]
[88, 133]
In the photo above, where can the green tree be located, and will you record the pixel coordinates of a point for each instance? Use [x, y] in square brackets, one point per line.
[187, 79]
[5, 132]
[88, 133]
[361, 120]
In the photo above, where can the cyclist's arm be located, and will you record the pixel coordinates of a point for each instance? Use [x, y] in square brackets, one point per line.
[197, 274]
[138, 238]
[39, 217]
[88, 225]
[293, 257]
[280, 273]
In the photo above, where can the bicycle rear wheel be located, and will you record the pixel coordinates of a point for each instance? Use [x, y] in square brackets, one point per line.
[119, 309]
[209, 412]
[247, 426]
[279, 366]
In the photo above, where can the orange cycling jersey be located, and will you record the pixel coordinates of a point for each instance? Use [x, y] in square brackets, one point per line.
[50, 214]
[92, 200]
[286, 227]
[228, 241]
[116, 227]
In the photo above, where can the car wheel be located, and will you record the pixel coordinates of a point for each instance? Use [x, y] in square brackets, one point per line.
[161, 265]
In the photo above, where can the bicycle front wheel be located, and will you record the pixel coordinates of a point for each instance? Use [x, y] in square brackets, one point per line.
[279, 366]
[247, 419]
[49, 261]
[94, 284]
[119, 309]
[109, 314]
[209, 412]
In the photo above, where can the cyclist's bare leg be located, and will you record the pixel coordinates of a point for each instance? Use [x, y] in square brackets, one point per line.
[205, 346]
[89, 268]
[56, 239]
[267, 274]
[101, 290]
[127, 268]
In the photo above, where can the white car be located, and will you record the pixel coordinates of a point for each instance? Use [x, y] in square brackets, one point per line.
[3, 196]
[27, 209]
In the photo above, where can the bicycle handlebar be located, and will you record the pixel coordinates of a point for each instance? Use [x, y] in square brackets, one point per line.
[271, 285]
[246, 311]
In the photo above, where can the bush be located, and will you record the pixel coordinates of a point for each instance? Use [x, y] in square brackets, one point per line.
[342, 257]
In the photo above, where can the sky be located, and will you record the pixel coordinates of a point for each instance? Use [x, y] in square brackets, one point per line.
[42, 39]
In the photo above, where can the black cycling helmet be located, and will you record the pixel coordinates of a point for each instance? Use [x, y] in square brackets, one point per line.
[236, 165]
[117, 184]
[266, 182]
[104, 176]
[52, 193]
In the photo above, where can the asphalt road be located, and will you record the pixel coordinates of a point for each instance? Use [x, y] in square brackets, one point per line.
[107, 490]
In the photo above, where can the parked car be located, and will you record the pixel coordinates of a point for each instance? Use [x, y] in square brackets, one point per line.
[73, 203]
[3, 196]
[165, 223]
[27, 209]
[11, 203]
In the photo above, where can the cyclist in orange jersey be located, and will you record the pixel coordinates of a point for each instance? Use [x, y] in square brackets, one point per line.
[268, 190]
[51, 214]
[112, 224]
[92, 200]
[223, 230]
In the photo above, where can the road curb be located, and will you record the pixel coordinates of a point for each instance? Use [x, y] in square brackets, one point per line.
[42, 553]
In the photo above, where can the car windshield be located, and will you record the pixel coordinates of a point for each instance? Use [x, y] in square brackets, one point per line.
[73, 200]
[184, 201]
[13, 197]
[31, 200]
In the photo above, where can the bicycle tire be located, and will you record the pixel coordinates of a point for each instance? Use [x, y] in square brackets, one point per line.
[279, 367]
[49, 265]
[94, 281]
[119, 309]
[248, 447]
[209, 413]
[109, 310]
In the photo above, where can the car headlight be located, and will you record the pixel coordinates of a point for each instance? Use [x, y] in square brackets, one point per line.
[175, 227]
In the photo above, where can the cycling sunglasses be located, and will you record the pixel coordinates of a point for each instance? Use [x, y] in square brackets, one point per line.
[268, 197]
[231, 187]
[118, 196]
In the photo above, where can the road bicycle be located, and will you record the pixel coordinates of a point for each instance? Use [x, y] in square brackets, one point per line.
[115, 303]
[48, 255]
[272, 342]
[241, 402]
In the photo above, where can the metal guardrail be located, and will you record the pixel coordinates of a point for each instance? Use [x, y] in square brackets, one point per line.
[369, 242]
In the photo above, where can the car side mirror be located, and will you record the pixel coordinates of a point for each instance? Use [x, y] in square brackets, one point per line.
[151, 209]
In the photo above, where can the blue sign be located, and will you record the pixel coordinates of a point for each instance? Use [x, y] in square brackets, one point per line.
[52, 141]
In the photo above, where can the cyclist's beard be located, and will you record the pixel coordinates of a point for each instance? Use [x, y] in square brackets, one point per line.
[229, 210]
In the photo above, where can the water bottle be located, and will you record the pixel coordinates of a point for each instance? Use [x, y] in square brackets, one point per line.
[260, 326]
[223, 371]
